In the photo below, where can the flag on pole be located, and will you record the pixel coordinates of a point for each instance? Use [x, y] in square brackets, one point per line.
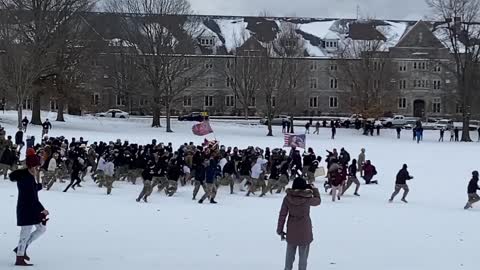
[202, 129]
[295, 140]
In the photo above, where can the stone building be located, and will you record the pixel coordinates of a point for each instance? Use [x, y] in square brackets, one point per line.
[422, 82]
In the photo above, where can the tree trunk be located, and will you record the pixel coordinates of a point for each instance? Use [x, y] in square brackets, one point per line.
[269, 126]
[61, 107]
[292, 129]
[36, 117]
[168, 129]
[19, 114]
[156, 117]
[245, 109]
[466, 125]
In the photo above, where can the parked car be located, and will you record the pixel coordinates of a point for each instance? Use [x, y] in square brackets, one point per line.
[397, 120]
[410, 124]
[276, 121]
[194, 116]
[113, 113]
[444, 123]
[430, 123]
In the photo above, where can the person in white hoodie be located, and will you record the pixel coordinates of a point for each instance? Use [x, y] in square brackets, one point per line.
[50, 173]
[100, 172]
[257, 175]
[109, 172]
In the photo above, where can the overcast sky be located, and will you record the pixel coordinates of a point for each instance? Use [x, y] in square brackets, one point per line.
[381, 9]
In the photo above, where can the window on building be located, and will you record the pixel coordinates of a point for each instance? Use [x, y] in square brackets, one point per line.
[313, 65]
[437, 105]
[27, 104]
[273, 101]
[252, 102]
[331, 44]
[333, 102]
[144, 101]
[437, 68]
[313, 102]
[402, 103]
[208, 64]
[421, 83]
[333, 67]
[207, 41]
[208, 101]
[120, 100]
[420, 65]
[95, 99]
[53, 105]
[333, 83]
[187, 63]
[402, 84]
[459, 108]
[229, 82]
[402, 66]
[230, 101]
[209, 82]
[313, 83]
[187, 101]
[437, 84]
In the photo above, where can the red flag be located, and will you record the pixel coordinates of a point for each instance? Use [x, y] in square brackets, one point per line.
[202, 129]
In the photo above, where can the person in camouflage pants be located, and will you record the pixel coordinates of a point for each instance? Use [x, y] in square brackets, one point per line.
[199, 179]
[147, 176]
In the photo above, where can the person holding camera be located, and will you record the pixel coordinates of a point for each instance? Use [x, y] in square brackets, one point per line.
[296, 206]
[401, 183]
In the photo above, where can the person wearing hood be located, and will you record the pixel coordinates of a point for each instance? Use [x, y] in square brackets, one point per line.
[258, 177]
[369, 171]
[401, 183]
[308, 159]
[30, 212]
[472, 191]
[109, 173]
[296, 206]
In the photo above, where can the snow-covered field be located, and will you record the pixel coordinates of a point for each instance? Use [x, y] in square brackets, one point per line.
[90, 230]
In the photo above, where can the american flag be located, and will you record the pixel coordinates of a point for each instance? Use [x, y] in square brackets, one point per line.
[202, 129]
[295, 140]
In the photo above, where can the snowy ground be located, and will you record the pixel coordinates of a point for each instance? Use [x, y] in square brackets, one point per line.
[89, 230]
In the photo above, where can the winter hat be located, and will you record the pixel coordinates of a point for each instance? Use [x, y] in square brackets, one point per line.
[300, 183]
[475, 173]
[32, 159]
[31, 152]
[405, 166]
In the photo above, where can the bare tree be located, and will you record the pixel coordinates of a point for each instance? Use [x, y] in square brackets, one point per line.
[242, 71]
[36, 25]
[161, 32]
[366, 68]
[461, 34]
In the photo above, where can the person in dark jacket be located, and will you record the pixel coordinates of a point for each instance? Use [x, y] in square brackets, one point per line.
[75, 179]
[352, 178]
[200, 178]
[30, 212]
[46, 126]
[401, 183]
[296, 205]
[19, 140]
[442, 133]
[399, 131]
[7, 160]
[147, 175]
[334, 131]
[456, 132]
[211, 173]
[369, 171]
[307, 128]
[472, 191]
[284, 126]
[229, 173]
[25, 123]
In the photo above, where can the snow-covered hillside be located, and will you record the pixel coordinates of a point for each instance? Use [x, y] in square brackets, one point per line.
[90, 230]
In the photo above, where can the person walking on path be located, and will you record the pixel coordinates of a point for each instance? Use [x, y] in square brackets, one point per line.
[296, 206]
[317, 128]
[30, 212]
[46, 126]
[442, 133]
[472, 191]
[401, 183]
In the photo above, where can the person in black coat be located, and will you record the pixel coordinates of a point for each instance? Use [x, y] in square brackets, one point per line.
[229, 172]
[46, 126]
[200, 178]
[399, 131]
[211, 173]
[19, 139]
[75, 179]
[472, 191]
[30, 212]
[401, 183]
[147, 176]
[25, 123]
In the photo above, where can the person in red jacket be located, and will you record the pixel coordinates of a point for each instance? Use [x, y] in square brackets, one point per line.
[338, 178]
[369, 171]
[296, 205]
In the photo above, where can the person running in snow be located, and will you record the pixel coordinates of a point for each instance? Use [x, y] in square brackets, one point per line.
[147, 176]
[75, 175]
[19, 140]
[46, 126]
[211, 173]
[258, 177]
[229, 173]
[317, 128]
[401, 183]
[442, 133]
[30, 212]
[336, 181]
[352, 178]
[296, 206]
[472, 191]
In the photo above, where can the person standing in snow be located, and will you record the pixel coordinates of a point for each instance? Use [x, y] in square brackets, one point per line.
[284, 126]
[399, 131]
[334, 131]
[401, 183]
[25, 123]
[361, 161]
[296, 206]
[456, 131]
[229, 173]
[317, 128]
[442, 133]
[211, 173]
[46, 126]
[472, 191]
[307, 128]
[378, 125]
[30, 212]
[108, 174]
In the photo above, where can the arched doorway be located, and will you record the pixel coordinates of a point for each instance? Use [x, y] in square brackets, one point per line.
[419, 108]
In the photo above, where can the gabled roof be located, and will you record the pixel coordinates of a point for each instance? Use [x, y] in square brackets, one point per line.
[421, 36]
